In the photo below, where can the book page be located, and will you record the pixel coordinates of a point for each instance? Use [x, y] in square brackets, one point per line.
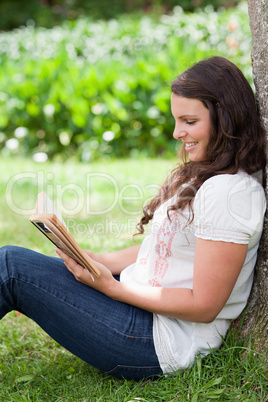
[52, 236]
[49, 221]
[44, 205]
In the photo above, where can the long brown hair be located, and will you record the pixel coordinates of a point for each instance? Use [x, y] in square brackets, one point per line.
[237, 138]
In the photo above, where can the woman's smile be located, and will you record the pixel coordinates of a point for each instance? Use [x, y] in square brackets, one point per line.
[190, 145]
[192, 125]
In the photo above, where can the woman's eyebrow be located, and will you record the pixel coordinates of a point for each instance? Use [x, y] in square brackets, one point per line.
[187, 115]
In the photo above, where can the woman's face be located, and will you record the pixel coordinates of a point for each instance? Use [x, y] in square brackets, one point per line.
[192, 125]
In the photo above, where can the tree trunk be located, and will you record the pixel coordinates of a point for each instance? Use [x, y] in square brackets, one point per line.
[256, 319]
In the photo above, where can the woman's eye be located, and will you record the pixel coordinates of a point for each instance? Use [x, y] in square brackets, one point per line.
[190, 122]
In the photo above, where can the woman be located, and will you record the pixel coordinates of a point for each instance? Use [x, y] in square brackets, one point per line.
[193, 272]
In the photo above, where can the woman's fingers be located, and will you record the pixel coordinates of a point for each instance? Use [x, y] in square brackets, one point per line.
[70, 263]
[83, 275]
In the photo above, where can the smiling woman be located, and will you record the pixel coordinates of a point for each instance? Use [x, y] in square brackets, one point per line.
[158, 305]
[192, 125]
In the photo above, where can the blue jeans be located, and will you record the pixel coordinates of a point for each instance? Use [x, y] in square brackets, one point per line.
[114, 337]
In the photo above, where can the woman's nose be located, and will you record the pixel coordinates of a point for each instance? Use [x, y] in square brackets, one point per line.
[178, 133]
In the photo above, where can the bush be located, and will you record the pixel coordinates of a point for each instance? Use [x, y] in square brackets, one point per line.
[48, 13]
[90, 89]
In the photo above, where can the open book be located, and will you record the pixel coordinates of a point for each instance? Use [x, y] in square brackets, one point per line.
[48, 220]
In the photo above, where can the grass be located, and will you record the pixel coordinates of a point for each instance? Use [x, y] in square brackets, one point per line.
[33, 367]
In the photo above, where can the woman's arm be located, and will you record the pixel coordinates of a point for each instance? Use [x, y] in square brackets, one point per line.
[216, 269]
[116, 261]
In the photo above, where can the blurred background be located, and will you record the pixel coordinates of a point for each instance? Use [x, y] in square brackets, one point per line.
[86, 79]
[49, 13]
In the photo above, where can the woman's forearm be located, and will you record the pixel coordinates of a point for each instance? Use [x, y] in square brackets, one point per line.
[172, 302]
[116, 261]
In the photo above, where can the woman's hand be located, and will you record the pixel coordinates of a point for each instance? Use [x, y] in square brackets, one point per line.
[81, 274]
[93, 256]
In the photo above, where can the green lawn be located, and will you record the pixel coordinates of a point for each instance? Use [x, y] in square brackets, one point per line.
[101, 203]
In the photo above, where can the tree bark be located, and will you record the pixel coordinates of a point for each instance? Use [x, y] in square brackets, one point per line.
[256, 318]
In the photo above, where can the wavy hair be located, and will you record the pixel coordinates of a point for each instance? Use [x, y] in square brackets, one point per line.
[237, 138]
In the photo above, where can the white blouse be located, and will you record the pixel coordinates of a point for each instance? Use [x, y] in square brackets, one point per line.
[226, 208]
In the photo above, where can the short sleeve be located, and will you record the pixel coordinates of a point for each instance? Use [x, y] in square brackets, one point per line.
[229, 208]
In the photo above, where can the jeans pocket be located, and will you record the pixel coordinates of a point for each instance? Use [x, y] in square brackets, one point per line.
[135, 372]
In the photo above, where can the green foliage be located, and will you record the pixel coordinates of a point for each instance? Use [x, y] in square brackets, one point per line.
[88, 89]
[48, 13]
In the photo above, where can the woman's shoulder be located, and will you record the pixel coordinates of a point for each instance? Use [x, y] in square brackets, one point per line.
[240, 189]
[232, 202]
[225, 183]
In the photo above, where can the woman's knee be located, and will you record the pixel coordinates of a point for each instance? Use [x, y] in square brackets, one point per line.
[7, 252]
[12, 257]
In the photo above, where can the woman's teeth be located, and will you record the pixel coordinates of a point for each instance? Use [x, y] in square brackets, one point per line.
[190, 144]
